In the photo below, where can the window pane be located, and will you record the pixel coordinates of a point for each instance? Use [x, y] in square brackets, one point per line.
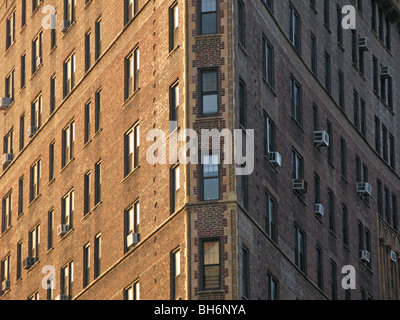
[211, 253]
[209, 23]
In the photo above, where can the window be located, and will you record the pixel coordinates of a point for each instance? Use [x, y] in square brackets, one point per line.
[176, 193]
[37, 52]
[50, 288]
[242, 103]
[19, 260]
[132, 221]
[36, 113]
[386, 201]
[174, 106]
[294, 28]
[52, 94]
[334, 280]
[295, 99]
[297, 166]
[97, 183]
[341, 90]
[210, 261]
[392, 152]
[363, 119]
[88, 51]
[377, 136]
[34, 241]
[300, 249]
[35, 4]
[10, 30]
[20, 196]
[209, 92]
[328, 72]
[35, 173]
[97, 255]
[97, 111]
[379, 197]
[50, 229]
[210, 175]
[131, 9]
[68, 141]
[23, 64]
[86, 265]
[345, 226]
[67, 209]
[69, 74]
[87, 194]
[315, 118]
[173, 26]
[329, 130]
[326, 13]
[268, 62]
[98, 40]
[272, 287]
[375, 74]
[51, 160]
[269, 135]
[5, 271]
[269, 4]
[314, 59]
[67, 279]
[6, 219]
[87, 122]
[23, 13]
[270, 217]
[34, 297]
[9, 85]
[339, 28]
[132, 144]
[241, 23]
[394, 212]
[343, 157]
[53, 40]
[354, 48]
[132, 292]
[132, 66]
[331, 207]
[320, 269]
[69, 10]
[245, 273]
[384, 144]
[208, 19]
[175, 275]
[8, 148]
[21, 132]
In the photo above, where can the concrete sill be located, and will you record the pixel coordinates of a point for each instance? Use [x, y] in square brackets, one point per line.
[130, 174]
[216, 291]
[34, 201]
[67, 165]
[66, 235]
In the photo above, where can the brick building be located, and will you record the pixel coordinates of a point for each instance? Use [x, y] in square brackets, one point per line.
[85, 213]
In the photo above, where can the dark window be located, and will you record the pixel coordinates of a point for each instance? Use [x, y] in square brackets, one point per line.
[98, 39]
[314, 59]
[300, 249]
[329, 130]
[270, 217]
[173, 26]
[392, 152]
[339, 28]
[69, 74]
[295, 98]
[317, 187]
[326, 13]
[377, 136]
[88, 50]
[23, 65]
[20, 196]
[97, 255]
[67, 279]
[86, 265]
[10, 30]
[320, 269]
[343, 157]
[176, 275]
[345, 226]
[174, 106]
[363, 119]
[269, 135]
[35, 179]
[52, 94]
[67, 209]
[379, 197]
[51, 161]
[37, 52]
[176, 193]
[68, 141]
[341, 90]
[356, 109]
[242, 104]
[295, 36]
[132, 66]
[354, 47]
[272, 287]
[331, 208]
[34, 240]
[131, 149]
[87, 193]
[97, 183]
[268, 62]
[87, 122]
[50, 229]
[394, 212]
[241, 22]
[245, 273]
[19, 260]
[6, 219]
[334, 280]
[131, 8]
[97, 111]
[328, 72]
[23, 13]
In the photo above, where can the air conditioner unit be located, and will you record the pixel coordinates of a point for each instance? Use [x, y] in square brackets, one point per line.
[7, 158]
[393, 256]
[364, 188]
[365, 255]
[65, 25]
[5, 103]
[319, 209]
[300, 185]
[62, 229]
[38, 61]
[386, 72]
[321, 138]
[363, 44]
[5, 285]
[32, 131]
[28, 263]
[275, 158]
[63, 297]
[132, 239]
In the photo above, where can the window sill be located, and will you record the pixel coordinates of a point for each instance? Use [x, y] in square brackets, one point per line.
[66, 235]
[6, 231]
[87, 215]
[20, 215]
[67, 31]
[9, 48]
[327, 28]
[344, 179]
[87, 144]
[97, 133]
[49, 251]
[97, 206]
[136, 92]
[241, 46]
[70, 162]
[51, 182]
[212, 291]
[172, 52]
[297, 194]
[37, 8]
[340, 46]
[269, 86]
[33, 267]
[298, 124]
[346, 247]
[36, 70]
[365, 266]
[209, 118]
[273, 166]
[332, 233]
[331, 164]
[210, 35]
[34, 201]
[130, 174]
[53, 49]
